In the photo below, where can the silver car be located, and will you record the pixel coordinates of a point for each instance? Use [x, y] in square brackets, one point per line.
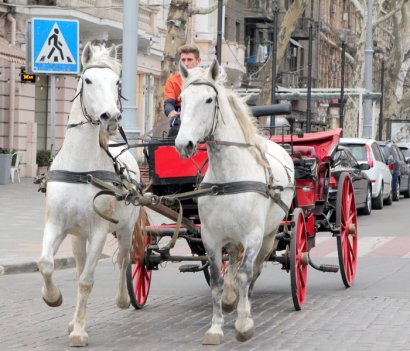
[368, 151]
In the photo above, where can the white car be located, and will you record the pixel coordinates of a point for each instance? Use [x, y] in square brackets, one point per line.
[368, 151]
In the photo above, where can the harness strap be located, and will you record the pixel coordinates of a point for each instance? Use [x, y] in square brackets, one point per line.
[83, 177]
[236, 188]
[246, 187]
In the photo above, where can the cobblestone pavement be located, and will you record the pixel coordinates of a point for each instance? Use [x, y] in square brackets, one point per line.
[373, 315]
[174, 320]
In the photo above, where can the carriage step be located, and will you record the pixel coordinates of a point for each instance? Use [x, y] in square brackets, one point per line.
[329, 268]
[324, 267]
[185, 268]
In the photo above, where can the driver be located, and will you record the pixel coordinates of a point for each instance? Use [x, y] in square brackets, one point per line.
[190, 58]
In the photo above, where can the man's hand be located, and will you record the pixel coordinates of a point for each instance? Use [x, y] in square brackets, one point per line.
[173, 114]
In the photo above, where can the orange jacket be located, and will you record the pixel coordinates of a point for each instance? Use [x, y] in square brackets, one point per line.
[173, 87]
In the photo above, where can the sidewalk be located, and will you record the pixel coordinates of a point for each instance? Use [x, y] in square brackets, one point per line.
[21, 230]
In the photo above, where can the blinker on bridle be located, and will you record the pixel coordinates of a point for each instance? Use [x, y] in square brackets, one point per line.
[87, 116]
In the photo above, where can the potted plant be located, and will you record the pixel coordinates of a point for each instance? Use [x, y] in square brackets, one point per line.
[43, 160]
[5, 165]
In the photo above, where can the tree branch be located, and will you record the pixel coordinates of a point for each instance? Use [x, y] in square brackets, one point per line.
[358, 6]
[206, 10]
[390, 14]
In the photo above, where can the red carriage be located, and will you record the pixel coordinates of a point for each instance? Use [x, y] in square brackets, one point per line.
[173, 182]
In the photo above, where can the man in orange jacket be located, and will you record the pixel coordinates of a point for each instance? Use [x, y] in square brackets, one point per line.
[190, 58]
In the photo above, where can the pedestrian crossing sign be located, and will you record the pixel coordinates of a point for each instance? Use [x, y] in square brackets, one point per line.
[55, 46]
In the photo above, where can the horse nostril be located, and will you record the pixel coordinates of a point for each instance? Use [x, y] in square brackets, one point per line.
[190, 145]
[105, 116]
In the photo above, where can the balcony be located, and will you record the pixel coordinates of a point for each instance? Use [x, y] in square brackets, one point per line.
[288, 79]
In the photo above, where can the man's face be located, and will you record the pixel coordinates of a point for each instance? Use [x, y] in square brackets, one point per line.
[189, 60]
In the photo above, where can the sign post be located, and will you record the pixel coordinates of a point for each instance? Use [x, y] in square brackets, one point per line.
[54, 50]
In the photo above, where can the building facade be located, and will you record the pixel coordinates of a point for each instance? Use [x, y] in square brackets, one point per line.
[25, 107]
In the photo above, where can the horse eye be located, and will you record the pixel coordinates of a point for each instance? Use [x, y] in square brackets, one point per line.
[88, 81]
[208, 101]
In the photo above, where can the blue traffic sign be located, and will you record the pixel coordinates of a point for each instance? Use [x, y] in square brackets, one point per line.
[55, 46]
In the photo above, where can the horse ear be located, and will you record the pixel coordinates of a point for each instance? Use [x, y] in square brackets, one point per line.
[214, 70]
[87, 54]
[112, 51]
[183, 70]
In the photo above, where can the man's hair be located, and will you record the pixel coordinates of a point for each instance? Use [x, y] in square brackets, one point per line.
[188, 49]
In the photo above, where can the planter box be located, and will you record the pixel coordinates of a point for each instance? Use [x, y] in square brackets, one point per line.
[41, 170]
[5, 167]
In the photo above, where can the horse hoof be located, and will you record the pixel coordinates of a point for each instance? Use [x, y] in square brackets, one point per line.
[228, 307]
[213, 339]
[56, 303]
[123, 304]
[244, 329]
[244, 336]
[78, 340]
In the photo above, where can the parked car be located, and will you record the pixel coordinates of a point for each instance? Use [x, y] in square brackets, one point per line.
[344, 161]
[368, 151]
[405, 149]
[399, 168]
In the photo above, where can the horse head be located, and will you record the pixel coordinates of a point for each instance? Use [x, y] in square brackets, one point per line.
[199, 107]
[99, 87]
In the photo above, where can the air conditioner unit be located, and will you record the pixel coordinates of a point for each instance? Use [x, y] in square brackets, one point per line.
[332, 8]
[345, 16]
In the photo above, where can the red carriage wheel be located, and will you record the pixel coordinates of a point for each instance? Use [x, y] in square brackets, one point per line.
[299, 259]
[346, 220]
[139, 279]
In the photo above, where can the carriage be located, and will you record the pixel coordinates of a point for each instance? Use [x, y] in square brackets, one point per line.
[175, 179]
[277, 197]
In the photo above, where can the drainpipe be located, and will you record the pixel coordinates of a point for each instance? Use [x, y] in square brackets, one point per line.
[12, 101]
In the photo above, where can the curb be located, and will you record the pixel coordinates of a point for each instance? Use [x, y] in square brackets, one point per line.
[30, 267]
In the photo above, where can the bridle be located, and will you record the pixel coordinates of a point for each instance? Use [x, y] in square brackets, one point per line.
[217, 111]
[88, 117]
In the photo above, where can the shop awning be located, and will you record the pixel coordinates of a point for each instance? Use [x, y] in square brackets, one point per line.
[11, 53]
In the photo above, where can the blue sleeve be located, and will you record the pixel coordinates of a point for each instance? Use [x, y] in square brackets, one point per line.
[169, 105]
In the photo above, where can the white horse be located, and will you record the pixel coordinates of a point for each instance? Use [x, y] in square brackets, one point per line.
[254, 179]
[94, 117]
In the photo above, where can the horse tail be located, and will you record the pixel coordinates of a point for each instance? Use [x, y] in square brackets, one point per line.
[139, 241]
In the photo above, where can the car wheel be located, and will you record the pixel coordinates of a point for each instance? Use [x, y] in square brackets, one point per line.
[377, 202]
[389, 200]
[367, 209]
[396, 191]
[407, 192]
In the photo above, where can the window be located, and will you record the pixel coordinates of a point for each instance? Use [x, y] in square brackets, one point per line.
[378, 155]
[358, 151]
[238, 32]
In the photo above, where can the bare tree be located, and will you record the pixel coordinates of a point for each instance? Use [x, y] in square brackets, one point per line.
[286, 30]
[179, 13]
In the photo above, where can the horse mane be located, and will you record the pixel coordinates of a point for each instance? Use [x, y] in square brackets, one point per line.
[248, 126]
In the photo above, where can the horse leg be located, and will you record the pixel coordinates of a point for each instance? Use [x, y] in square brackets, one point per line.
[78, 336]
[229, 296]
[124, 247]
[264, 252]
[53, 236]
[244, 323]
[79, 246]
[214, 335]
